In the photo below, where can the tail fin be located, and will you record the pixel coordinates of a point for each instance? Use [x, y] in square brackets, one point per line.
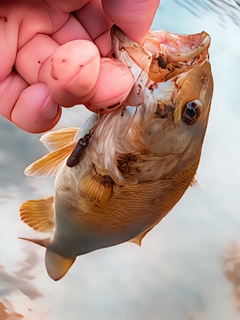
[56, 265]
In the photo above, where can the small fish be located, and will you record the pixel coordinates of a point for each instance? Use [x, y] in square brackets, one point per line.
[140, 159]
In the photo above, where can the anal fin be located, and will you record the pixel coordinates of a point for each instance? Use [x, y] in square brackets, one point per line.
[38, 214]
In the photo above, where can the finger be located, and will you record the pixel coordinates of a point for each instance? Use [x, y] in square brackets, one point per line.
[71, 30]
[35, 111]
[72, 72]
[94, 20]
[10, 90]
[69, 5]
[8, 47]
[32, 56]
[113, 86]
[133, 17]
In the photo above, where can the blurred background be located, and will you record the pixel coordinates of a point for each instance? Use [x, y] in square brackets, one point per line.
[188, 267]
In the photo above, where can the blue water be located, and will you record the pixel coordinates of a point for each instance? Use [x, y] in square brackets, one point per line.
[188, 267]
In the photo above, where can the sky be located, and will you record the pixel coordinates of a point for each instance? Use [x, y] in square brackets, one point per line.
[188, 266]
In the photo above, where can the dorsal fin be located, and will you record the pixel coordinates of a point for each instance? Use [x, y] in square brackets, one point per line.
[138, 239]
[56, 265]
[38, 214]
[195, 182]
[96, 187]
[62, 142]
[54, 140]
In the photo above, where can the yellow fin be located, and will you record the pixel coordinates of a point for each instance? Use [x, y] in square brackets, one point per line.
[38, 214]
[61, 143]
[54, 140]
[96, 187]
[56, 265]
[50, 164]
[195, 182]
[41, 242]
[138, 239]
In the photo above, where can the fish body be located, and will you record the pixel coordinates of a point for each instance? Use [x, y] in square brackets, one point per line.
[140, 159]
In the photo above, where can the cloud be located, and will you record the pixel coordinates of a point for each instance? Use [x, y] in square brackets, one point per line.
[231, 269]
[7, 313]
[20, 280]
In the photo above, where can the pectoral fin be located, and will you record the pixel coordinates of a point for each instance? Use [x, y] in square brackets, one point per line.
[61, 143]
[38, 214]
[96, 187]
[56, 265]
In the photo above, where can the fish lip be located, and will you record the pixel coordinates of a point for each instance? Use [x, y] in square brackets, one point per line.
[180, 47]
[178, 54]
[163, 55]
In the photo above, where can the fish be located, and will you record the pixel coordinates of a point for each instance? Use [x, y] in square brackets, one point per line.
[136, 162]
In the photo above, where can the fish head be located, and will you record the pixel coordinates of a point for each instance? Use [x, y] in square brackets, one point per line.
[172, 93]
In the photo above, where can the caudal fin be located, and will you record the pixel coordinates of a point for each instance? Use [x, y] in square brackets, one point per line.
[56, 265]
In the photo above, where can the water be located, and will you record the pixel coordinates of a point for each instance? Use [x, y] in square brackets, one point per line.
[188, 267]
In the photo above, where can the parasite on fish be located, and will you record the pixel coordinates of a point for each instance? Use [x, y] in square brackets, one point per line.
[140, 160]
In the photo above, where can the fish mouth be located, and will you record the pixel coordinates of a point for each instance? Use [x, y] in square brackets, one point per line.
[163, 55]
[174, 54]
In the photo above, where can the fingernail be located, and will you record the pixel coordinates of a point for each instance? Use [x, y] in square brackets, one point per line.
[49, 109]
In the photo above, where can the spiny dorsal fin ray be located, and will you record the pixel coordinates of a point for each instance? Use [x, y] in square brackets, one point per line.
[96, 187]
[38, 214]
[56, 265]
[50, 164]
[55, 140]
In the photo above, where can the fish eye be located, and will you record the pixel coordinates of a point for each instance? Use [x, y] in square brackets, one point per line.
[191, 112]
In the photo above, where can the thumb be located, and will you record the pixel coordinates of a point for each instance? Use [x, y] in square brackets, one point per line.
[134, 17]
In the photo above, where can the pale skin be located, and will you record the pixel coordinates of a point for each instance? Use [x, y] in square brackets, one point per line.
[58, 53]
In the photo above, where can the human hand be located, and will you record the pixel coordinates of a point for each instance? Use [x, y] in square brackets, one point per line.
[57, 53]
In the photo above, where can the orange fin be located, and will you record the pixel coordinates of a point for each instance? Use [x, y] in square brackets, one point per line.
[41, 242]
[195, 182]
[55, 140]
[97, 187]
[56, 265]
[138, 239]
[61, 143]
[50, 164]
[38, 214]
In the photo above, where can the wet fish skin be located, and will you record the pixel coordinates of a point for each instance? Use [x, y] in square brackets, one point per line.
[140, 159]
